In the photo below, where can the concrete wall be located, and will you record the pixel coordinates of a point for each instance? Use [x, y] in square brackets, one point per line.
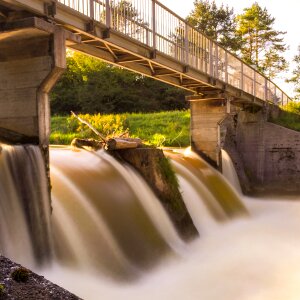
[269, 154]
[266, 156]
[281, 158]
[205, 116]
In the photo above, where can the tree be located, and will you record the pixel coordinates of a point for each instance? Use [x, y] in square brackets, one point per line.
[262, 46]
[295, 79]
[215, 22]
[92, 86]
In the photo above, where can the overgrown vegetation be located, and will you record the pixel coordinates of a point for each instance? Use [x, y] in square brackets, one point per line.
[20, 275]
[2, 289]
[290, 116]
[157, 129]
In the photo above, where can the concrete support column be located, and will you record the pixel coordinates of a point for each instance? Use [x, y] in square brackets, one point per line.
[205, 117]
[32, 58]
[31, 61]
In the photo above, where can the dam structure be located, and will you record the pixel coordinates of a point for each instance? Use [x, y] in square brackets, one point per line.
[146, 37]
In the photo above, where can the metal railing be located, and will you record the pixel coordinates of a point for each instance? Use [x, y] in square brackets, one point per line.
[156, 26]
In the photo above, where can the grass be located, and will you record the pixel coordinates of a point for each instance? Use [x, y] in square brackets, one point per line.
[289, 117]
[158, 129]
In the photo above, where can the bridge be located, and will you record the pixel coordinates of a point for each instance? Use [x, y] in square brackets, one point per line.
[140, 35]
[147, 37]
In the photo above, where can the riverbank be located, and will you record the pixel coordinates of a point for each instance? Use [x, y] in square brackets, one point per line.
[17, 282]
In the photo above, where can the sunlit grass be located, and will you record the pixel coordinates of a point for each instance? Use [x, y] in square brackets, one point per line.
[157, 129]
[290, 116]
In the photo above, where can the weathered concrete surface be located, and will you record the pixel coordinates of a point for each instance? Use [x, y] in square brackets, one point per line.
[34, 287]
[31, 61]
[282, 158]
[156, 170]
[266, 155]
[228, 143]
[205, 116]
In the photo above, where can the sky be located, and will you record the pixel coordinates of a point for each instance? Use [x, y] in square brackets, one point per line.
[286, 14]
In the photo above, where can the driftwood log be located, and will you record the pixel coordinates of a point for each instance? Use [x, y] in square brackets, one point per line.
[123, 143]
[110, 144]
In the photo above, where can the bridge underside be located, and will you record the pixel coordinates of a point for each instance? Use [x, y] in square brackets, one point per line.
[96, 39]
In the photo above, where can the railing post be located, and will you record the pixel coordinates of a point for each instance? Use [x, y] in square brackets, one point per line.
[154, 24]
[92, 15]
[107, 13]
[226, 67]
[266, 89]
[254, 83]
[186, 43]
[242, 77]
[217, 61]
[211, 62]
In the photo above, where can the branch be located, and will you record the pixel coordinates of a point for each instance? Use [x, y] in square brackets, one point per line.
[103, 138]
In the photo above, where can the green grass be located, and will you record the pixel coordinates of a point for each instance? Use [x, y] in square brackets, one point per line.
[289, 117]
[157, 129]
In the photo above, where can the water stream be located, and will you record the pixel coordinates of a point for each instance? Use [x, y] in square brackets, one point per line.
[110, 238]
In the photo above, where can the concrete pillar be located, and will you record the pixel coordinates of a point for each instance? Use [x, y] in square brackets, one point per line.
[31, 61]
[205, 117]
[32, 58]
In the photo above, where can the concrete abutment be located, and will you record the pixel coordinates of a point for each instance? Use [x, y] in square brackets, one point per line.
[266, 156]
[32, 58]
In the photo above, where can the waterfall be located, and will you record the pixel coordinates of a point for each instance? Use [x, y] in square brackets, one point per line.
[229, 171]
[109, 237]
[25, 231]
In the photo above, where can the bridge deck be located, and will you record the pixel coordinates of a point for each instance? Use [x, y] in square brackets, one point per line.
[148, 38]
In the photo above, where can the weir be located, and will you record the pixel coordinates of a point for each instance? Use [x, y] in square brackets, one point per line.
[154, 42]
[95, 226]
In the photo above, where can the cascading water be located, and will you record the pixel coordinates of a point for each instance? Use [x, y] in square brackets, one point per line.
[25, 231]
[113, 240]
[229, 172]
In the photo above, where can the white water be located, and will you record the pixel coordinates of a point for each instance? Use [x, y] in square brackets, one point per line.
[229, 171]
[255, 258]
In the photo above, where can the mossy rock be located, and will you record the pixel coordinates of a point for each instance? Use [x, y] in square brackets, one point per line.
[2, 289]
[157, 171]
[20, 275]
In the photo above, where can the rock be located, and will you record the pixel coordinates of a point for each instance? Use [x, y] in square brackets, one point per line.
[157, 171]
[19, 283]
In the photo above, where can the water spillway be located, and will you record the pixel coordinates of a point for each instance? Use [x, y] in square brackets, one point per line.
[25, 231]
[110, 237]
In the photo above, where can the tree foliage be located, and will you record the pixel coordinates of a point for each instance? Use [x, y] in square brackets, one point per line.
[92, 86]
[216, 22]
[262, 45]
[295, 79]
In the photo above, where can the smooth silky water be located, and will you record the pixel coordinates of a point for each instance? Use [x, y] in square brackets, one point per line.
[109, 237]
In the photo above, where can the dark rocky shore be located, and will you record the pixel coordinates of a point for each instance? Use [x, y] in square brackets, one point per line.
[17, 282]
